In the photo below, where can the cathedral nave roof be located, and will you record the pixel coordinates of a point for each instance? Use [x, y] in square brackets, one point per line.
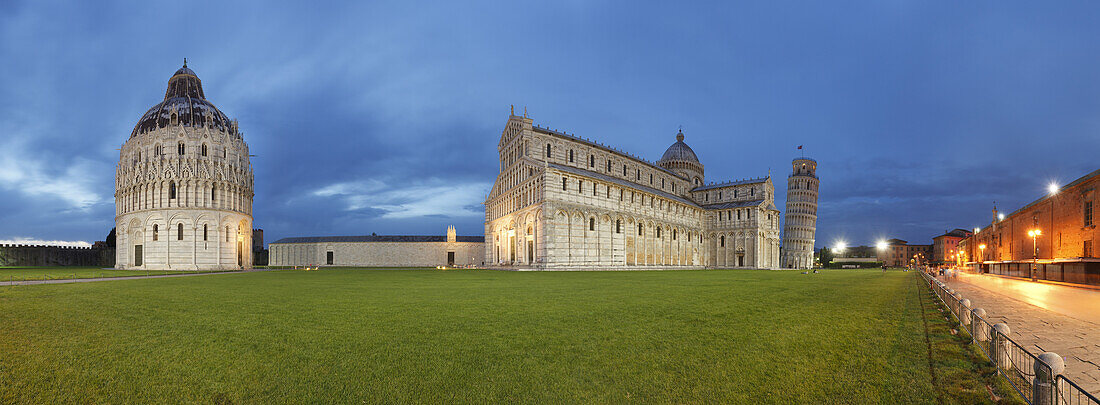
[624, 183]
[607, 149]
[734, 204]
[731, 183]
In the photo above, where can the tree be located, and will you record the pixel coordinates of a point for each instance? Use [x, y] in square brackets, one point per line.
[825, 256]
[111, 238]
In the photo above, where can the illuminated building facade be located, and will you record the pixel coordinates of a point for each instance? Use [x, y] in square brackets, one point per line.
[561, 202]
[899, 253]
[1052, 238]
[945, 248]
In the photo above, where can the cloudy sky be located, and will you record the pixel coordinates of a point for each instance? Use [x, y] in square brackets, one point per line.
[384, 116]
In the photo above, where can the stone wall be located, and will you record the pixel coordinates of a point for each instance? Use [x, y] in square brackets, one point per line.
[30, 255]
[376, 254]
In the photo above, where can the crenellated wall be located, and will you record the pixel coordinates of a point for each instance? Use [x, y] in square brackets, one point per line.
[37, 255]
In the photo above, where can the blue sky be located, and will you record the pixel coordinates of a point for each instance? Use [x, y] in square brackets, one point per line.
[384, 116]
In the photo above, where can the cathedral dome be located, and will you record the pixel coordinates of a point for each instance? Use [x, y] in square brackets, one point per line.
[185, 99]
[679, 151]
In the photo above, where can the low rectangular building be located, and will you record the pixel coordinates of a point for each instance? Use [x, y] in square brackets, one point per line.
[379, 251]
[1052, 238]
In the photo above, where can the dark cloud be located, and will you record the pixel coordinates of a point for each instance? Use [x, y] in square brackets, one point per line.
[368, 117]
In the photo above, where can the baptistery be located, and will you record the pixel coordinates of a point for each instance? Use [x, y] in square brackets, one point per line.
[183, 186]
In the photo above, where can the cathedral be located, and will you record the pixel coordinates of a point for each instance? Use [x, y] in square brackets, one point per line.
[183, 186]
[561, 202]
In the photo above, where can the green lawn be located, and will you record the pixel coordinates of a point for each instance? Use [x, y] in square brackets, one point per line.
[62, 272]
[730, 336]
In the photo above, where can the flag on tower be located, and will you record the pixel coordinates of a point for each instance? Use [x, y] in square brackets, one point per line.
[799, 146]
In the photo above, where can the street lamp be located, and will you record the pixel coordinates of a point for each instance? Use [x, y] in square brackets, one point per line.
[1034, 233]
[1053, 188]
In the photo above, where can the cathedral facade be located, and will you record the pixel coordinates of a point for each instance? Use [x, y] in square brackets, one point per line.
[561, 202]
[183, 186]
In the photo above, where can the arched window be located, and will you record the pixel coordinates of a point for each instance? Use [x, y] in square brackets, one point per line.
[609, 165]
[658, 232]
[181, 148]
[591, 161]
[156, 150]
[564, 184]
[722, 241]
[639, 229]
[547, 150]
[172, 190]
[227, 234]
[224, 152]
[179, 231]
[592, 224]
[156, 232]
[212, 188]
[618, 226]
[673, 234]
[204, 149]
[570, 156]
[204, 232]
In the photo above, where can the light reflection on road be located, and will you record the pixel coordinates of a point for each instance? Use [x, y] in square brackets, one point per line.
[1080, 303]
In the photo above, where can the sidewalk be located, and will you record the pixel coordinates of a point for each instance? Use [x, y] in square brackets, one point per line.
[1043, 318]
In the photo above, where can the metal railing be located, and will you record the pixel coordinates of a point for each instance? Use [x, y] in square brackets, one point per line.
[1033, 377]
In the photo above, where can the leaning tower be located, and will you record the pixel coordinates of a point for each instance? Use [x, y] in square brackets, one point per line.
[800, 221]
[183, 186]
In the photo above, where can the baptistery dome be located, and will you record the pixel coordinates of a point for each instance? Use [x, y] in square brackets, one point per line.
[183, 186]
[185, 100]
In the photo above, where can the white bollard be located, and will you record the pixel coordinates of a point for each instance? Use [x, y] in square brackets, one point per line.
[964, 314]
[976, 329]
[1000, 346]
[1048, 368]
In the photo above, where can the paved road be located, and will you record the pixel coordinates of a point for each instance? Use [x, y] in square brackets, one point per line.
[88, 280]
[1043, 318]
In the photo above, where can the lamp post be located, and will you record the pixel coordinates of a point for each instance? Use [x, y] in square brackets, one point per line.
[1034, 233]
[982, 262]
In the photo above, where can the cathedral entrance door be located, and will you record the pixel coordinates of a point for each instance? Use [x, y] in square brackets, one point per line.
[530, 251]
[450, 258]
[137, 255]
[240, 255]
[740, 260]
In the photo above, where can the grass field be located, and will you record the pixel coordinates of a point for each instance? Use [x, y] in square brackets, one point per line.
[476, 336]
[63, 272]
